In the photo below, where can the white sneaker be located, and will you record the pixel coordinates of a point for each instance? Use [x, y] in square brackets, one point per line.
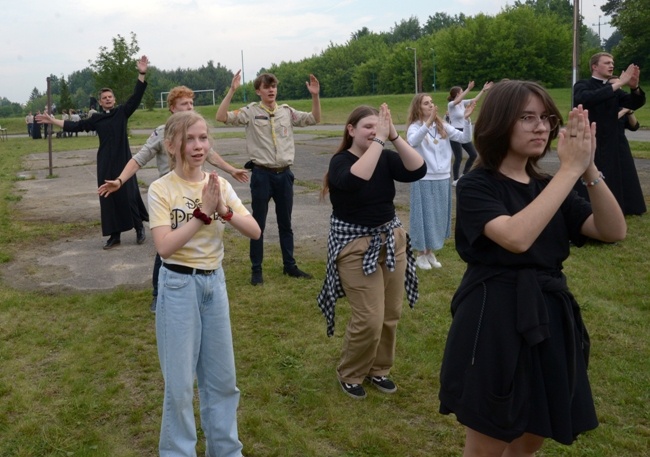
[422, 262]
[431, 259]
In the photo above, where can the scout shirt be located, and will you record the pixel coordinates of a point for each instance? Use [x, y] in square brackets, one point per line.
[269, 133]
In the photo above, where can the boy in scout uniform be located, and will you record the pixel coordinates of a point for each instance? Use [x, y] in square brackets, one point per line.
[269, 140]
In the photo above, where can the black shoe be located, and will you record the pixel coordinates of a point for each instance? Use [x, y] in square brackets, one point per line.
[152, 307]
[296, 272]
[111, 243]
[355, 391]
[140, 236]
[256, 278]
[383, 384]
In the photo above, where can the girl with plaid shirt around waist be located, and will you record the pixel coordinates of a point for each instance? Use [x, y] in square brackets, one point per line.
[369, 254]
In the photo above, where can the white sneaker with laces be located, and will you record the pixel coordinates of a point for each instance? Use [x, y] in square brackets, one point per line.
[431, 259]
[422, 262]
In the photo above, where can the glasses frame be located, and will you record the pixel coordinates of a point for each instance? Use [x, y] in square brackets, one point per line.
[550, 121]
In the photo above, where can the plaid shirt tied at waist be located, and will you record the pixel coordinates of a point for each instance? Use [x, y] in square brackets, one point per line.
[341, 233]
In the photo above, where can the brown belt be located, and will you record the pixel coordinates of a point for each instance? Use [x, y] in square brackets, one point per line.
[272, 170]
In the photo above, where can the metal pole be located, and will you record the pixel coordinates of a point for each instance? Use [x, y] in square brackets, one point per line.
[576, 42]
[415, 67]
[434, 69]
[243, 82]
[49, 113]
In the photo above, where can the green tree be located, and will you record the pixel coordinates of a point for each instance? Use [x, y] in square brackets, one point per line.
[407, 30]
[116, 68]
[82, 86]
[631, 18]
[65, 101]
[517, 43]
[441, 21]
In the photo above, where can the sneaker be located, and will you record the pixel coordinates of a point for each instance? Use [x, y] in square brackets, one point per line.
[422, 262]
[296, 272]
[257, 278]
[152, 306]
[355, 391]
[431, 258]
[383, 384]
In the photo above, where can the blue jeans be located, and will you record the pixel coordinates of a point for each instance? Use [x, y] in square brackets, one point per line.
[193, 335]
[267, 185]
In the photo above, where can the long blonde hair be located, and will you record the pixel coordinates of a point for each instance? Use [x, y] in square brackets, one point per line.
[415, 114]
[177, 126]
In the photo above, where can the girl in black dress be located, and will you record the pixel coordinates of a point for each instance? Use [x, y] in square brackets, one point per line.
[515, 364]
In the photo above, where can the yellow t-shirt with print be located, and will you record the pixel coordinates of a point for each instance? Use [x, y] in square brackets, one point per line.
[172, 200]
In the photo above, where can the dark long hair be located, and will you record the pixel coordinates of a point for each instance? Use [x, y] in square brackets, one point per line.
[353, 119]
[500, 112]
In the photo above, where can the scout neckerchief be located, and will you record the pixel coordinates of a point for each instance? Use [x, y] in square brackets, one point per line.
[271, 114]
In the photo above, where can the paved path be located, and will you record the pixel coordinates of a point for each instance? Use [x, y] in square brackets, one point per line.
[79, 263]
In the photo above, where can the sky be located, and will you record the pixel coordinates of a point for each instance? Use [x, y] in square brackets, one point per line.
[42, 37]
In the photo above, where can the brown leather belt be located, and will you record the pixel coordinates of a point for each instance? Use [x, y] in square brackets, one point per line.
[186, 270]
[272, 170]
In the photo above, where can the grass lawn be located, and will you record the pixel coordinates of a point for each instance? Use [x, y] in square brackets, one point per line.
[80, 376]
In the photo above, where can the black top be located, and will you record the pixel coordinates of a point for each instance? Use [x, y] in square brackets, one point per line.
[367, 203]
[484, 197]
[123, 209]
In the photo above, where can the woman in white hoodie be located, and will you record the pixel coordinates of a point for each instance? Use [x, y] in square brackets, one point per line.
[430, 136]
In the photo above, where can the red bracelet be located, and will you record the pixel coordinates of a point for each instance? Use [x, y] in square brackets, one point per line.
[207, 220]
[226, 217]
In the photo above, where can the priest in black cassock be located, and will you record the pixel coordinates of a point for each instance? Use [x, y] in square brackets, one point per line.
[604, 101]
[122, 210]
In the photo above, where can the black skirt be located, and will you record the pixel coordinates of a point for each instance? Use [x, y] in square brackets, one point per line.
[499, 384]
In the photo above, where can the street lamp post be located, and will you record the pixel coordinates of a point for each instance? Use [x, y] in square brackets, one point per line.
[434, 69]
[415, 66]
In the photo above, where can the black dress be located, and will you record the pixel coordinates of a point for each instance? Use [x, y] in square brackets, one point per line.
[633, 202]
[604, 103]
[124, 209]
[516, 355]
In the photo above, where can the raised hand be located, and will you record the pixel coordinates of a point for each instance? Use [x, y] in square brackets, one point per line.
[211, 195]
[385, 125]
[313, 86]
[577, 141]
[142, 64]
[236, 81]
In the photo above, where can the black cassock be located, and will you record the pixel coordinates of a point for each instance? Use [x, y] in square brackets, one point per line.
[122, 210]
[604, 103]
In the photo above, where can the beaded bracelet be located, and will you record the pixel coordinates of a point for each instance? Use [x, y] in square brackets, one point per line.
[594, 182]
[377, 140]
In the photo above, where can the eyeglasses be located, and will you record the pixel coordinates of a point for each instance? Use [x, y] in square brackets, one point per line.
[529, 122]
